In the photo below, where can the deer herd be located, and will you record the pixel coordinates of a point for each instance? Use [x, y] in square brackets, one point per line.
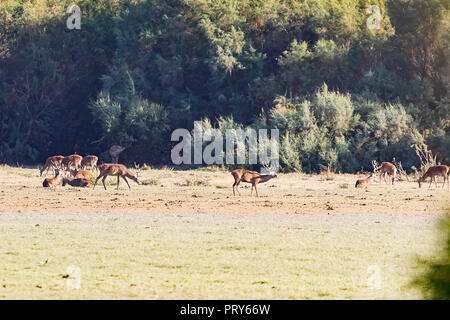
[72, 170]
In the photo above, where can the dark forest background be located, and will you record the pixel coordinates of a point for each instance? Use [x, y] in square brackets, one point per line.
[340, 93]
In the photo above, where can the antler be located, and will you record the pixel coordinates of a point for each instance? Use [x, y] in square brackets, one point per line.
[375, 165]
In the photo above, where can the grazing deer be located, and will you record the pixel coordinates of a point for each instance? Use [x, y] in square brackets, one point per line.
[365, 183]
[89, 161]
[73, 159]
[386, 168]
[54, 162]
[114, 152]
[77, 182]
[253, 177]
[81, 173]
[114, 169]
[53, 182]
[432, 172]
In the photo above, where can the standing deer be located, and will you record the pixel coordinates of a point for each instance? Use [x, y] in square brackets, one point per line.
[119, 170]
[73, 159]
[386, 168]
[54, 162]
[115, 151]
[253, 177]
[89, 161]
[432, 172]
[54, 182]
[365, 183]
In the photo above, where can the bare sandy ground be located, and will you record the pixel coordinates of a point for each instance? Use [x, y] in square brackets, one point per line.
[183, 235]
[170, 191]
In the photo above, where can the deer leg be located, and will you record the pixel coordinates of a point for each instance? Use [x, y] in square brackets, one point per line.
[96, 181]
[234, 184]
[431, 181]
[118, 178]
[124, 178]
[251, 193]
[103, 181]
[256, 191]
[237, 184]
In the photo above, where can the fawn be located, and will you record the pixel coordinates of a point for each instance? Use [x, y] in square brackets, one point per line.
[53, 182]
[365, 183]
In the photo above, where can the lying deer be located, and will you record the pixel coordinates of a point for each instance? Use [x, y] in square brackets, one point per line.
[253, 177]
[81, 174]
[432, 172]
[54, 162]
[365, 183]
[119, 170]
[53, 182]
[77, 182]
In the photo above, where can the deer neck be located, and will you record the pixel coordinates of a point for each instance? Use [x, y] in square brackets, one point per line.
[266, 177]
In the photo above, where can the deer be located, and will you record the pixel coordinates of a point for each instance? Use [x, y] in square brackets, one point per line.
[54, 182]
[77, 182]
[73, 159]
[114, 169]
[386, 168]
[89, 161]
[81, 173]
[54, 161]
[432, 172]
[114, 152]
[253, 177]
[365, 183]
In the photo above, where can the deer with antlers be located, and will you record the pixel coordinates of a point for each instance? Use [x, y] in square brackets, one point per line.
[253, 177]
[386, 168]
[114, 169]
[54, 162]
[432, 172]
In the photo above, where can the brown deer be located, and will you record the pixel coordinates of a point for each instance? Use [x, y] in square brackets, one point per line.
[73, 159]
[432, 172]
[114, 152]
[54, 162]
[81, 173]
[365, 183]
[89, 161]
[54, 182]
[253, 177]
[386, 168]
[77, 182]
[114, 169]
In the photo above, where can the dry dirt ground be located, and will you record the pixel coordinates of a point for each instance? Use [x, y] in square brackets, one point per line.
[183, 235]
[168, 191]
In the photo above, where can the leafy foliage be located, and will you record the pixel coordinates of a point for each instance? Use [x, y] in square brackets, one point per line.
[340, 93]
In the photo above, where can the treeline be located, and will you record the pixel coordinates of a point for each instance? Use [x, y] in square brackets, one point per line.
[340, 93]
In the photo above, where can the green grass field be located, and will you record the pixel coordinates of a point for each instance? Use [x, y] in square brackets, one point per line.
[213, 256]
